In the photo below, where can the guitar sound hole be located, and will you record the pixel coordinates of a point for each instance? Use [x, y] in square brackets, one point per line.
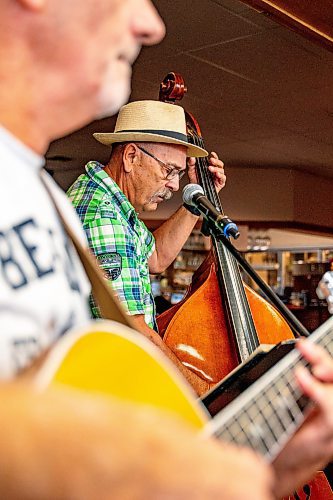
[306, 491]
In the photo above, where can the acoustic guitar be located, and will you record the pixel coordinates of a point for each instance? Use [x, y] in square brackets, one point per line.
[262, 413]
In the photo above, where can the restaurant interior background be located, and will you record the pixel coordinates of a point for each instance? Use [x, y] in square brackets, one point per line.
[262, 93]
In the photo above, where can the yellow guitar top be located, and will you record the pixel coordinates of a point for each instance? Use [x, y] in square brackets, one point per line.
[109, 358]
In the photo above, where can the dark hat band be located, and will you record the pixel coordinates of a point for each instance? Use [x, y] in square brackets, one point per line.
[167, 133]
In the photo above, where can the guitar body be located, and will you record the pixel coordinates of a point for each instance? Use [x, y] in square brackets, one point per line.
[318, 489]
[111, 359]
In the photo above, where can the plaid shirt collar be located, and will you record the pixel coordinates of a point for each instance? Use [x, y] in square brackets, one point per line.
[96, 172]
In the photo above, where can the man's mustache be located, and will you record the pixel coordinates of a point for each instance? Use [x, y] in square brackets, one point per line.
[166, 195]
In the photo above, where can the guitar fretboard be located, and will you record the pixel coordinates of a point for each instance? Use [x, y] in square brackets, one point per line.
[270, 410]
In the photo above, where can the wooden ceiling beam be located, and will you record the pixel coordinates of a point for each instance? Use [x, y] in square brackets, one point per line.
[313, 19]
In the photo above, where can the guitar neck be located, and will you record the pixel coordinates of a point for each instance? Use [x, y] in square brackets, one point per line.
[266, 415]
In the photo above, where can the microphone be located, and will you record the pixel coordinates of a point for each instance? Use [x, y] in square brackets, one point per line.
[194, 196]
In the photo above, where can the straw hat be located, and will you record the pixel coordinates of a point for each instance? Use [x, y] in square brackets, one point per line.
[151, 121]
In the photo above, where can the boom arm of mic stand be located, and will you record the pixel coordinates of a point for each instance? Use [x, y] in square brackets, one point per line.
[297, 327]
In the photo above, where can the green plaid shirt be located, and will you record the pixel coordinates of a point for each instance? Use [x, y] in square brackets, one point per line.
[120, 241]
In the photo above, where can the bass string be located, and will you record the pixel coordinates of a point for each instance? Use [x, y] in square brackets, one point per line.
[206, 176]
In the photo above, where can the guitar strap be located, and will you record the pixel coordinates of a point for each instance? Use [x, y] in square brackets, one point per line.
[105, 297]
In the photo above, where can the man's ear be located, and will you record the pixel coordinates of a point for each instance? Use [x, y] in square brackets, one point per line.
[130, 157]
[35, 5]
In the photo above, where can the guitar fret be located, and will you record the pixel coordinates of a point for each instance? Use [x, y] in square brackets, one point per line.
[280, 426]
[226, 434]
[299, 402]
[255, 431]
[234, 433]
[235, 430]
[255, 427]
[327, 345]
[274, 426]
[286, 407]
[324, 336]
[257, 424]
[271, 409]
[260, 425]
[267, 415]
[240, 437]
[284, 399]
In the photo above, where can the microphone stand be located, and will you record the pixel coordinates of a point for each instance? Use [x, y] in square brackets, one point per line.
[297, 327]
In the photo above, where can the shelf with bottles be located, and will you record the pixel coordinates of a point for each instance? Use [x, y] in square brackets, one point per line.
[263, 259]
[287, 271]
[188, 261]
[180, 278]
[266, 267]
[266, 264]
[164, 294]
[173, 283]
[293, 274]
[197, 242]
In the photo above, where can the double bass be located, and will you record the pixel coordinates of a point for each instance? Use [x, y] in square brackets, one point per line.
[221, 321]
[233, 320]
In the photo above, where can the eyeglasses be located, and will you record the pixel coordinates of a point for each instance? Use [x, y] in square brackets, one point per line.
[171, 172]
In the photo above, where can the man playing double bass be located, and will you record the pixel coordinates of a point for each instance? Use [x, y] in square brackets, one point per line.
[149, 155]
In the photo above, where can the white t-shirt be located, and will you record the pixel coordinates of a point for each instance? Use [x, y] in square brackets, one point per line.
[43, 288]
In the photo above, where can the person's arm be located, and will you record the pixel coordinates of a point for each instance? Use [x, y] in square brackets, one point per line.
[173, 233]
[67, 444]
[311, 449]
[199, 385]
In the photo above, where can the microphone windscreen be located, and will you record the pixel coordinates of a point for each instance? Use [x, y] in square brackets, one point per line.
[189, 191]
